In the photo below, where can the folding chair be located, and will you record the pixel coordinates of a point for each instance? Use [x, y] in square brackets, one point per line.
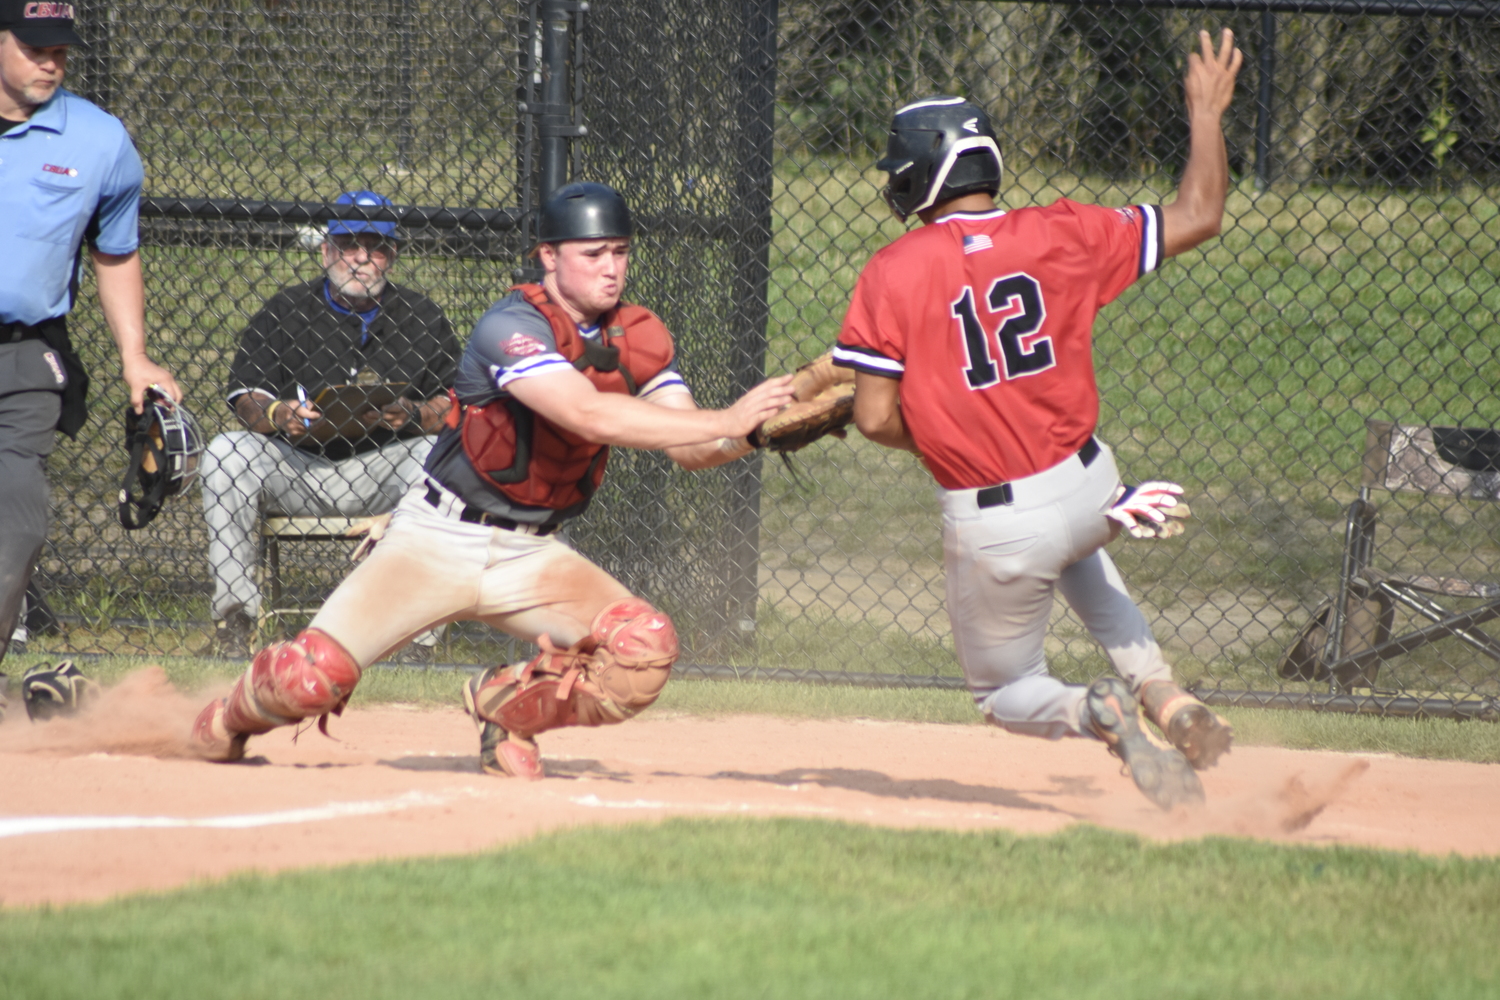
[1349, 635]
[276, 530]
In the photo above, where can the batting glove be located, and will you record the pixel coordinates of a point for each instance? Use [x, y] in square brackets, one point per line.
[1150, 510]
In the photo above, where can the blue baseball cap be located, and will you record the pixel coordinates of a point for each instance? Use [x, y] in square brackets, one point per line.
[365, 198]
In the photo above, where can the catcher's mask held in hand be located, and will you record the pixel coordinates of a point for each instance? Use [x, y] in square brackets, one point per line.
[165, 443]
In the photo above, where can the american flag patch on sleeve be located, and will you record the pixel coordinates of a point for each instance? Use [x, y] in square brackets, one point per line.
[974, 244]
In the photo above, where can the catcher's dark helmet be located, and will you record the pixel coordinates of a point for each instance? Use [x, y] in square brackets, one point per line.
[939, 148]
[165, 442]
[583, 211]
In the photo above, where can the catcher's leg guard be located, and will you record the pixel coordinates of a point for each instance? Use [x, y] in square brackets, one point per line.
[1200, 733]
[608, 677]
[1163, 776]
[287, 681]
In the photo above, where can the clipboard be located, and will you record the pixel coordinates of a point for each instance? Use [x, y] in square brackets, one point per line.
[342, 407]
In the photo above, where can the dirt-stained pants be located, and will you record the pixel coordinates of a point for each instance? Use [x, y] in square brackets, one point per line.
[430, 569]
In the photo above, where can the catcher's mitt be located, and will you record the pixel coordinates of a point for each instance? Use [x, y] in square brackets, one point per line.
[823, 404]
[59, 690]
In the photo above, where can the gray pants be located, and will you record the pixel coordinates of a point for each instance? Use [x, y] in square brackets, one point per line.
[28, 422]
[1005, 563]
[244, 473]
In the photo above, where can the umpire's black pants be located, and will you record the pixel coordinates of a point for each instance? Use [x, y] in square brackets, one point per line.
[29, 406]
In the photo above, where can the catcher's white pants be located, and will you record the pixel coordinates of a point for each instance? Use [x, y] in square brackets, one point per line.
[239, 468]
[430, 569]
[1003, 564]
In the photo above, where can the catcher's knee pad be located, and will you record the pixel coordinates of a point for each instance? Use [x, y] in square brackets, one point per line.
[637, 646]
[289, 681]
[616, 671]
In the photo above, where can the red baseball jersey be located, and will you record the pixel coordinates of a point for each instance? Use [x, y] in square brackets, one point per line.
[987, 319]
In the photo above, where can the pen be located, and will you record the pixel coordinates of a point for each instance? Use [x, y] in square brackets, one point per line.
[302, 398]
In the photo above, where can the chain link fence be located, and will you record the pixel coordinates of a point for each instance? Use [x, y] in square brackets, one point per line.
[1290, 374]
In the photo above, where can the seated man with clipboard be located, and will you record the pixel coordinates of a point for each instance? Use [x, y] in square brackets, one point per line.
[338, 383]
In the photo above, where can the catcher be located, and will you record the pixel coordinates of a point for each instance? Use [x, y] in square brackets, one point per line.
[554, 375]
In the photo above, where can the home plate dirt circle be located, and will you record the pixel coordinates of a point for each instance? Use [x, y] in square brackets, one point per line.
[113, 803]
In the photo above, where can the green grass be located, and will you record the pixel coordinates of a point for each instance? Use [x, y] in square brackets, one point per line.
[788, 908]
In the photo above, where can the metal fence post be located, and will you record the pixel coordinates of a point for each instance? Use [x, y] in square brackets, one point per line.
[550, 96]
[757, 120]
[555, 115]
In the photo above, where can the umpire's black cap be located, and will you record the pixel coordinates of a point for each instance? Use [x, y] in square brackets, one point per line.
[40, 25]
[584, 211]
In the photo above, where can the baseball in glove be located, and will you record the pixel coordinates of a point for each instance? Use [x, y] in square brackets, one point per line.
[823, 404]
[60, 690]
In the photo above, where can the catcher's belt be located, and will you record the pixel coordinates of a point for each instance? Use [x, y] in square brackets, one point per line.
[452, 505]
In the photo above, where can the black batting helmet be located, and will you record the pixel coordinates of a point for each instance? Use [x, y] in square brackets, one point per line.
[583, 211]
[165, 443]
[939, 148]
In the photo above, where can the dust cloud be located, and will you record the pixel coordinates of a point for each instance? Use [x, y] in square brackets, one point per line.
[141, 715]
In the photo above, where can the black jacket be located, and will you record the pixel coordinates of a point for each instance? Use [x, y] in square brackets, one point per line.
[298, 338]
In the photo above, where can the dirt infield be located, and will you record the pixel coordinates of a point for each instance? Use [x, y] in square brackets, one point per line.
[91, 808]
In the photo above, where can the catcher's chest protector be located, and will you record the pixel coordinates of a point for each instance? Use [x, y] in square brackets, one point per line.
[535, 462]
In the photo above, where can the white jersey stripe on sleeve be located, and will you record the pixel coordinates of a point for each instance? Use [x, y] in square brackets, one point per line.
[1151, 238]
[665, 383]
[541, 364]
[865, 360]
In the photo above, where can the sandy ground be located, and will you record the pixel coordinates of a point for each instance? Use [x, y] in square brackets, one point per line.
[110, 803]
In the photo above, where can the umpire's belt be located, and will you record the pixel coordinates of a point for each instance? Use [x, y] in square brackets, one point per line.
[14, 333]
[1003, 495]
[450, 505]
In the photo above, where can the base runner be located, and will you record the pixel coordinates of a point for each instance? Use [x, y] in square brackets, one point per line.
[553, 375]
[971, 342]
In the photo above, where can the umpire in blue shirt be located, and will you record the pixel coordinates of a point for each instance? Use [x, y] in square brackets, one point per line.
[68, 171]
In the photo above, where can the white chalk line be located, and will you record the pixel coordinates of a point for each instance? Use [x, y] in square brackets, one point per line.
[18, 826]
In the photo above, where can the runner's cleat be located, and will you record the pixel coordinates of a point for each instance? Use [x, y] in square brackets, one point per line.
[1163, 776]
[1200, 733]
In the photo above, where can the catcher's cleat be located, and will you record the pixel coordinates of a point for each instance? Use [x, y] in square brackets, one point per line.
[500, 752]
[212, 740]
[1200, 733]
[1163, 776]
[503, 753]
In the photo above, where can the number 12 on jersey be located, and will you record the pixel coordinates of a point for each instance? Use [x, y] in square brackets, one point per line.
[1016, 301]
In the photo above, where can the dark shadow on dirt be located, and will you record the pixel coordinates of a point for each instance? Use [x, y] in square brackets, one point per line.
[876, 783]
